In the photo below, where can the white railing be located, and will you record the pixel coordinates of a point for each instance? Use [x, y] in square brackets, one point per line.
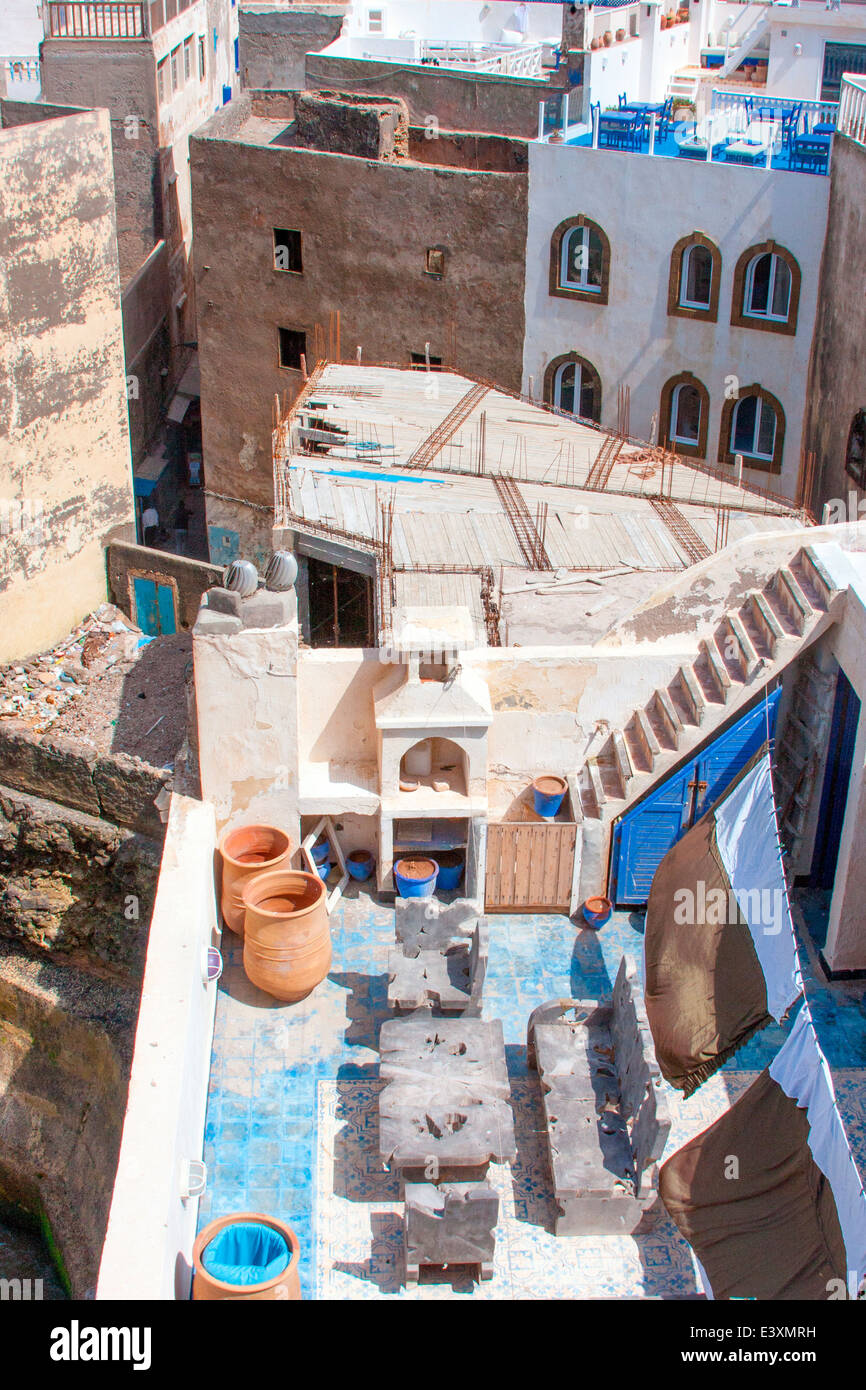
[852, 108]
[524, 61]
[20, 69]
[811, 112]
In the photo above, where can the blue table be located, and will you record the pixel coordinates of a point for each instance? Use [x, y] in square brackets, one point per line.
[622, 129]
[810, 153]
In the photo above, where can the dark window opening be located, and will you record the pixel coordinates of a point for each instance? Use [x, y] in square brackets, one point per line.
[293, 346]
[341, 606]
[855, 453]
[287, 250]
[420, 359]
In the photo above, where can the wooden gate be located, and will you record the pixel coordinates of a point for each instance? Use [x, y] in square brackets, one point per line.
[529, 867]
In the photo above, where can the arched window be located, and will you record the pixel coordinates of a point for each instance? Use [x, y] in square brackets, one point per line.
[572, 384]
[753, 425]
[684, 415]
[579, 261]
[855, 452]
[693, 286]
[753, 428]
[766, 290]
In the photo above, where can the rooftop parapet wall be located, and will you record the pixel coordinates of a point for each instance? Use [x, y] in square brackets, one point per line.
[340, 123]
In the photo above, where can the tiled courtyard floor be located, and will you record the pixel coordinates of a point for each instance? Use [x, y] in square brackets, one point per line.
[292, 1115]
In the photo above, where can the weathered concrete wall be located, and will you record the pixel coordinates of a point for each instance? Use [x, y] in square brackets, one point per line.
[274, 40]
[457, 100]
[147, 348]
[74, 888]
[837, 380]
[65, 478]
[188, 578]
[119, 75]
[365, 229]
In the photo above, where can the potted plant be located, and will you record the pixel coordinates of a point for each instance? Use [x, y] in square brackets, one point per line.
[607, 38]
[663, 22]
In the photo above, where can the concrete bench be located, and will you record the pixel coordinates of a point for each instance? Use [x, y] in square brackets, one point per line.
[607, 1118]
[440, 960]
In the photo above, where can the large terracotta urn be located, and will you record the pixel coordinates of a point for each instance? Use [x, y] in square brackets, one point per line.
[240, 1247]
[287, 936]
[249, 850]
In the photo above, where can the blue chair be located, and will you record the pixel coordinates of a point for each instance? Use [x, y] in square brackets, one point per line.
[790, 122]
[665, 119]
[623, 98]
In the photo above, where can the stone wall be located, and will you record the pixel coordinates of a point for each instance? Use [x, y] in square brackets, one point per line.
[274, 41]
[147, 348]
[65, 479]
[365, 127]
[65, 1047]
[113, 786]
[75, 888]
[837, 380]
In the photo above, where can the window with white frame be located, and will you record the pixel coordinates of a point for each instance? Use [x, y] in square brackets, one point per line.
[696, 278]
[685, 422]
[581, 265]
[375, 21]
[187, 59]
[577, 389]
[175, 68]
[767, 289]
[753, 428]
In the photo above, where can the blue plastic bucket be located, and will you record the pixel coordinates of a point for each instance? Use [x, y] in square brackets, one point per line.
[449, 875]
[415, 887]
[323, 870]
[321, 851]
[596, 911]
[548, 794]
[360, 865]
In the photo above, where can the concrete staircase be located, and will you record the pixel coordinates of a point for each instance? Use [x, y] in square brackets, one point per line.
[751, 645]
[744, 47]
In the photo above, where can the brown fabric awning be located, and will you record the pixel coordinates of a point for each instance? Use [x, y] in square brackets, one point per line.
[749, 1198]
[705, 990]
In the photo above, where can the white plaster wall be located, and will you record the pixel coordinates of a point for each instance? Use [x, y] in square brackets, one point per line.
[148, 1245]
[632, 340]
[454, 19]
[812, 27]
[335, 705]
[246, 699]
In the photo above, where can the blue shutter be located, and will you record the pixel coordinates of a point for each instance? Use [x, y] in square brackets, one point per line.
[644, 835]
[165, 608]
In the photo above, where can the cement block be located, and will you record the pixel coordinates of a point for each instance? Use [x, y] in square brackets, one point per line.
[213, 624]
[268, 609]
[224, 601]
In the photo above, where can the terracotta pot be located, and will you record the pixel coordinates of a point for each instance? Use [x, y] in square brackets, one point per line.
[607, 38]
[663, 23]
[593, 43]
[284, 1287]
[249, 850]
[620, 35]
[287, 936]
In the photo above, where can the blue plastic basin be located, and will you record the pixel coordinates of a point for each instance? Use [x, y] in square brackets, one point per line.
[449, 876]
[321, 851]
[415, 887]
[360, 869]
[248, 1253]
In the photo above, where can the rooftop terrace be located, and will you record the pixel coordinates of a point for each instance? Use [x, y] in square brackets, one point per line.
[292, 1120]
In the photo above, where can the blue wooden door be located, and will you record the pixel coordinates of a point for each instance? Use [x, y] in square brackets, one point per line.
[644, 835]
[154, 607]
[834, 794]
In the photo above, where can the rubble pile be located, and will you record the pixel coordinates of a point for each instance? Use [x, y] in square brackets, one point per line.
[37, 691]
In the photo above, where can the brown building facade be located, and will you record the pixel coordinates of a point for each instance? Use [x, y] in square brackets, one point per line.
[410, 247]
